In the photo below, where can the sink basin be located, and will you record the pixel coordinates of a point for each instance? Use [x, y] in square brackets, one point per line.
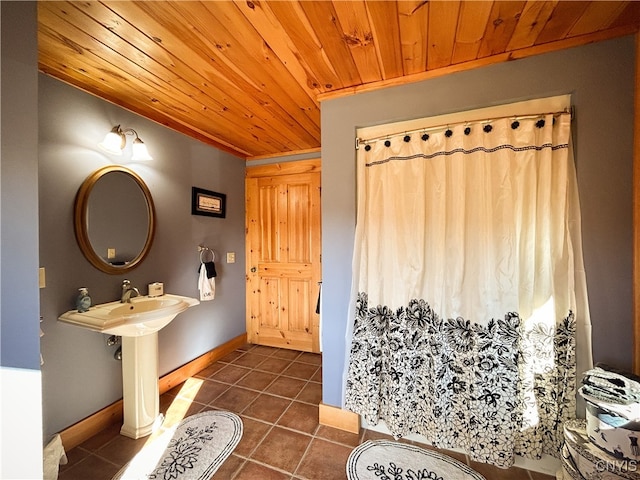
[137, 323]
[144, 315]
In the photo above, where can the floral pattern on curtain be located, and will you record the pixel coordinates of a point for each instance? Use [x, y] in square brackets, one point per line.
[465, 281]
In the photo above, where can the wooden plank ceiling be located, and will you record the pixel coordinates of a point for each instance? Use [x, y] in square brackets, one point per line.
[248, 76]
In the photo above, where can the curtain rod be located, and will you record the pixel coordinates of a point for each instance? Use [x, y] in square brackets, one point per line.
[439, 127]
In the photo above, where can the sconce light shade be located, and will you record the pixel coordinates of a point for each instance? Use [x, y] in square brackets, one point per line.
[115, 141]
[140, 150]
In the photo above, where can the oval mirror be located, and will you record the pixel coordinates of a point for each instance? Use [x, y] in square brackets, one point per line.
[114, 219]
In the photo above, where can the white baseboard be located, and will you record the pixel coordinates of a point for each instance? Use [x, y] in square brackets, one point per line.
[548, 464]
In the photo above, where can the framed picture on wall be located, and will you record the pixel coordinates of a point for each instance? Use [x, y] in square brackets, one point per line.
[208, 203]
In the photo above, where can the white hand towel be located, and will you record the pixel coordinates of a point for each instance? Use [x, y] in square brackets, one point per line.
[53, 457]
[207, 286]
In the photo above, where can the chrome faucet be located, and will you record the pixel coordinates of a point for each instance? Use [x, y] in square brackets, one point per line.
[128, 292]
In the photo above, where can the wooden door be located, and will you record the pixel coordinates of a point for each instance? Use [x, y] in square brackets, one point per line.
[283, 249]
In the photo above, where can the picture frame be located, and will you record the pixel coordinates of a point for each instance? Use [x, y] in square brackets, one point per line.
[208, 203]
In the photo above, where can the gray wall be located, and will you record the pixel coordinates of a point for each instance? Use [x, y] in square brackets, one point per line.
[80, 375]
[600, 78]
[19, 347]
[20, 386]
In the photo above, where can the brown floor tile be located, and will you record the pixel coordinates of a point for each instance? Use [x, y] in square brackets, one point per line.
[253, 432]
[312, 358]
[189, 388]
[274, 365]
[175, 391]
[541, 476]
[121, 449]
[495, 473]
[339, 436]
[177, 410]
[300, 416]
[267, 407]
[317, 377]
[257, 380]
[100, 439]
[311, 393]
[210, 370]
[230, 357]
[282, 449]
[264, 350]
[235, 399]
[166, 399]
[74, 456]
[286, 387]
[373, 435]
[246, 347]
[254, 471]
[227, 470]
[92, 467]
[286, 354]
[249, 360]
[230, 374]
[205, 392]
[300, 370]
[324, 460]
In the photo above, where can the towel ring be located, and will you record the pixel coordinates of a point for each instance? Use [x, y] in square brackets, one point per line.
[203, 251]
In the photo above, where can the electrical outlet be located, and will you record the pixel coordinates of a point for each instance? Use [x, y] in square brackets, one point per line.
[111, 253]
[231, 257]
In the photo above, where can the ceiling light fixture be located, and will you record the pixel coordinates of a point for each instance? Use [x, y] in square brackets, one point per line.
[115, 141]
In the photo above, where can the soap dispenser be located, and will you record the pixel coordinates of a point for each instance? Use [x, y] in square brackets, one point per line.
[83, 302]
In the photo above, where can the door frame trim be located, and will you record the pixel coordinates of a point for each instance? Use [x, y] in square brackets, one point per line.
[284, 168]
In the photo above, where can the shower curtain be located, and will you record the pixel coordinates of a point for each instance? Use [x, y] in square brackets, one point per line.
[469, 292]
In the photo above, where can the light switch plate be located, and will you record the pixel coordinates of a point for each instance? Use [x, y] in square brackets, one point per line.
[231, 257]
[41, 278]
[111, 253]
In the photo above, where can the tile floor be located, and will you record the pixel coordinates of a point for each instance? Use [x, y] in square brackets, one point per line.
[276, 392]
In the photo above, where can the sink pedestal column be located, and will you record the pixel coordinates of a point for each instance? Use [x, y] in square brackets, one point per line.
[140, 385]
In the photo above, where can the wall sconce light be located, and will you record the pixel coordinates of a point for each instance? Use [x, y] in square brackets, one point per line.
[115, 141]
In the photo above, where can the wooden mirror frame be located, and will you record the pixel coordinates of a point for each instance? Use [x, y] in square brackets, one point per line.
[81, 207]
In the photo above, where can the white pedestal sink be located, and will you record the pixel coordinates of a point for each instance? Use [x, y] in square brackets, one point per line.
[138, 324]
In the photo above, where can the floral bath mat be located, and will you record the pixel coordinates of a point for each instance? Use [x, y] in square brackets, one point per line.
[193, 450]
[383, 459]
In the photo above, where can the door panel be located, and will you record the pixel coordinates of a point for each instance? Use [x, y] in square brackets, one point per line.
[283, 256]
